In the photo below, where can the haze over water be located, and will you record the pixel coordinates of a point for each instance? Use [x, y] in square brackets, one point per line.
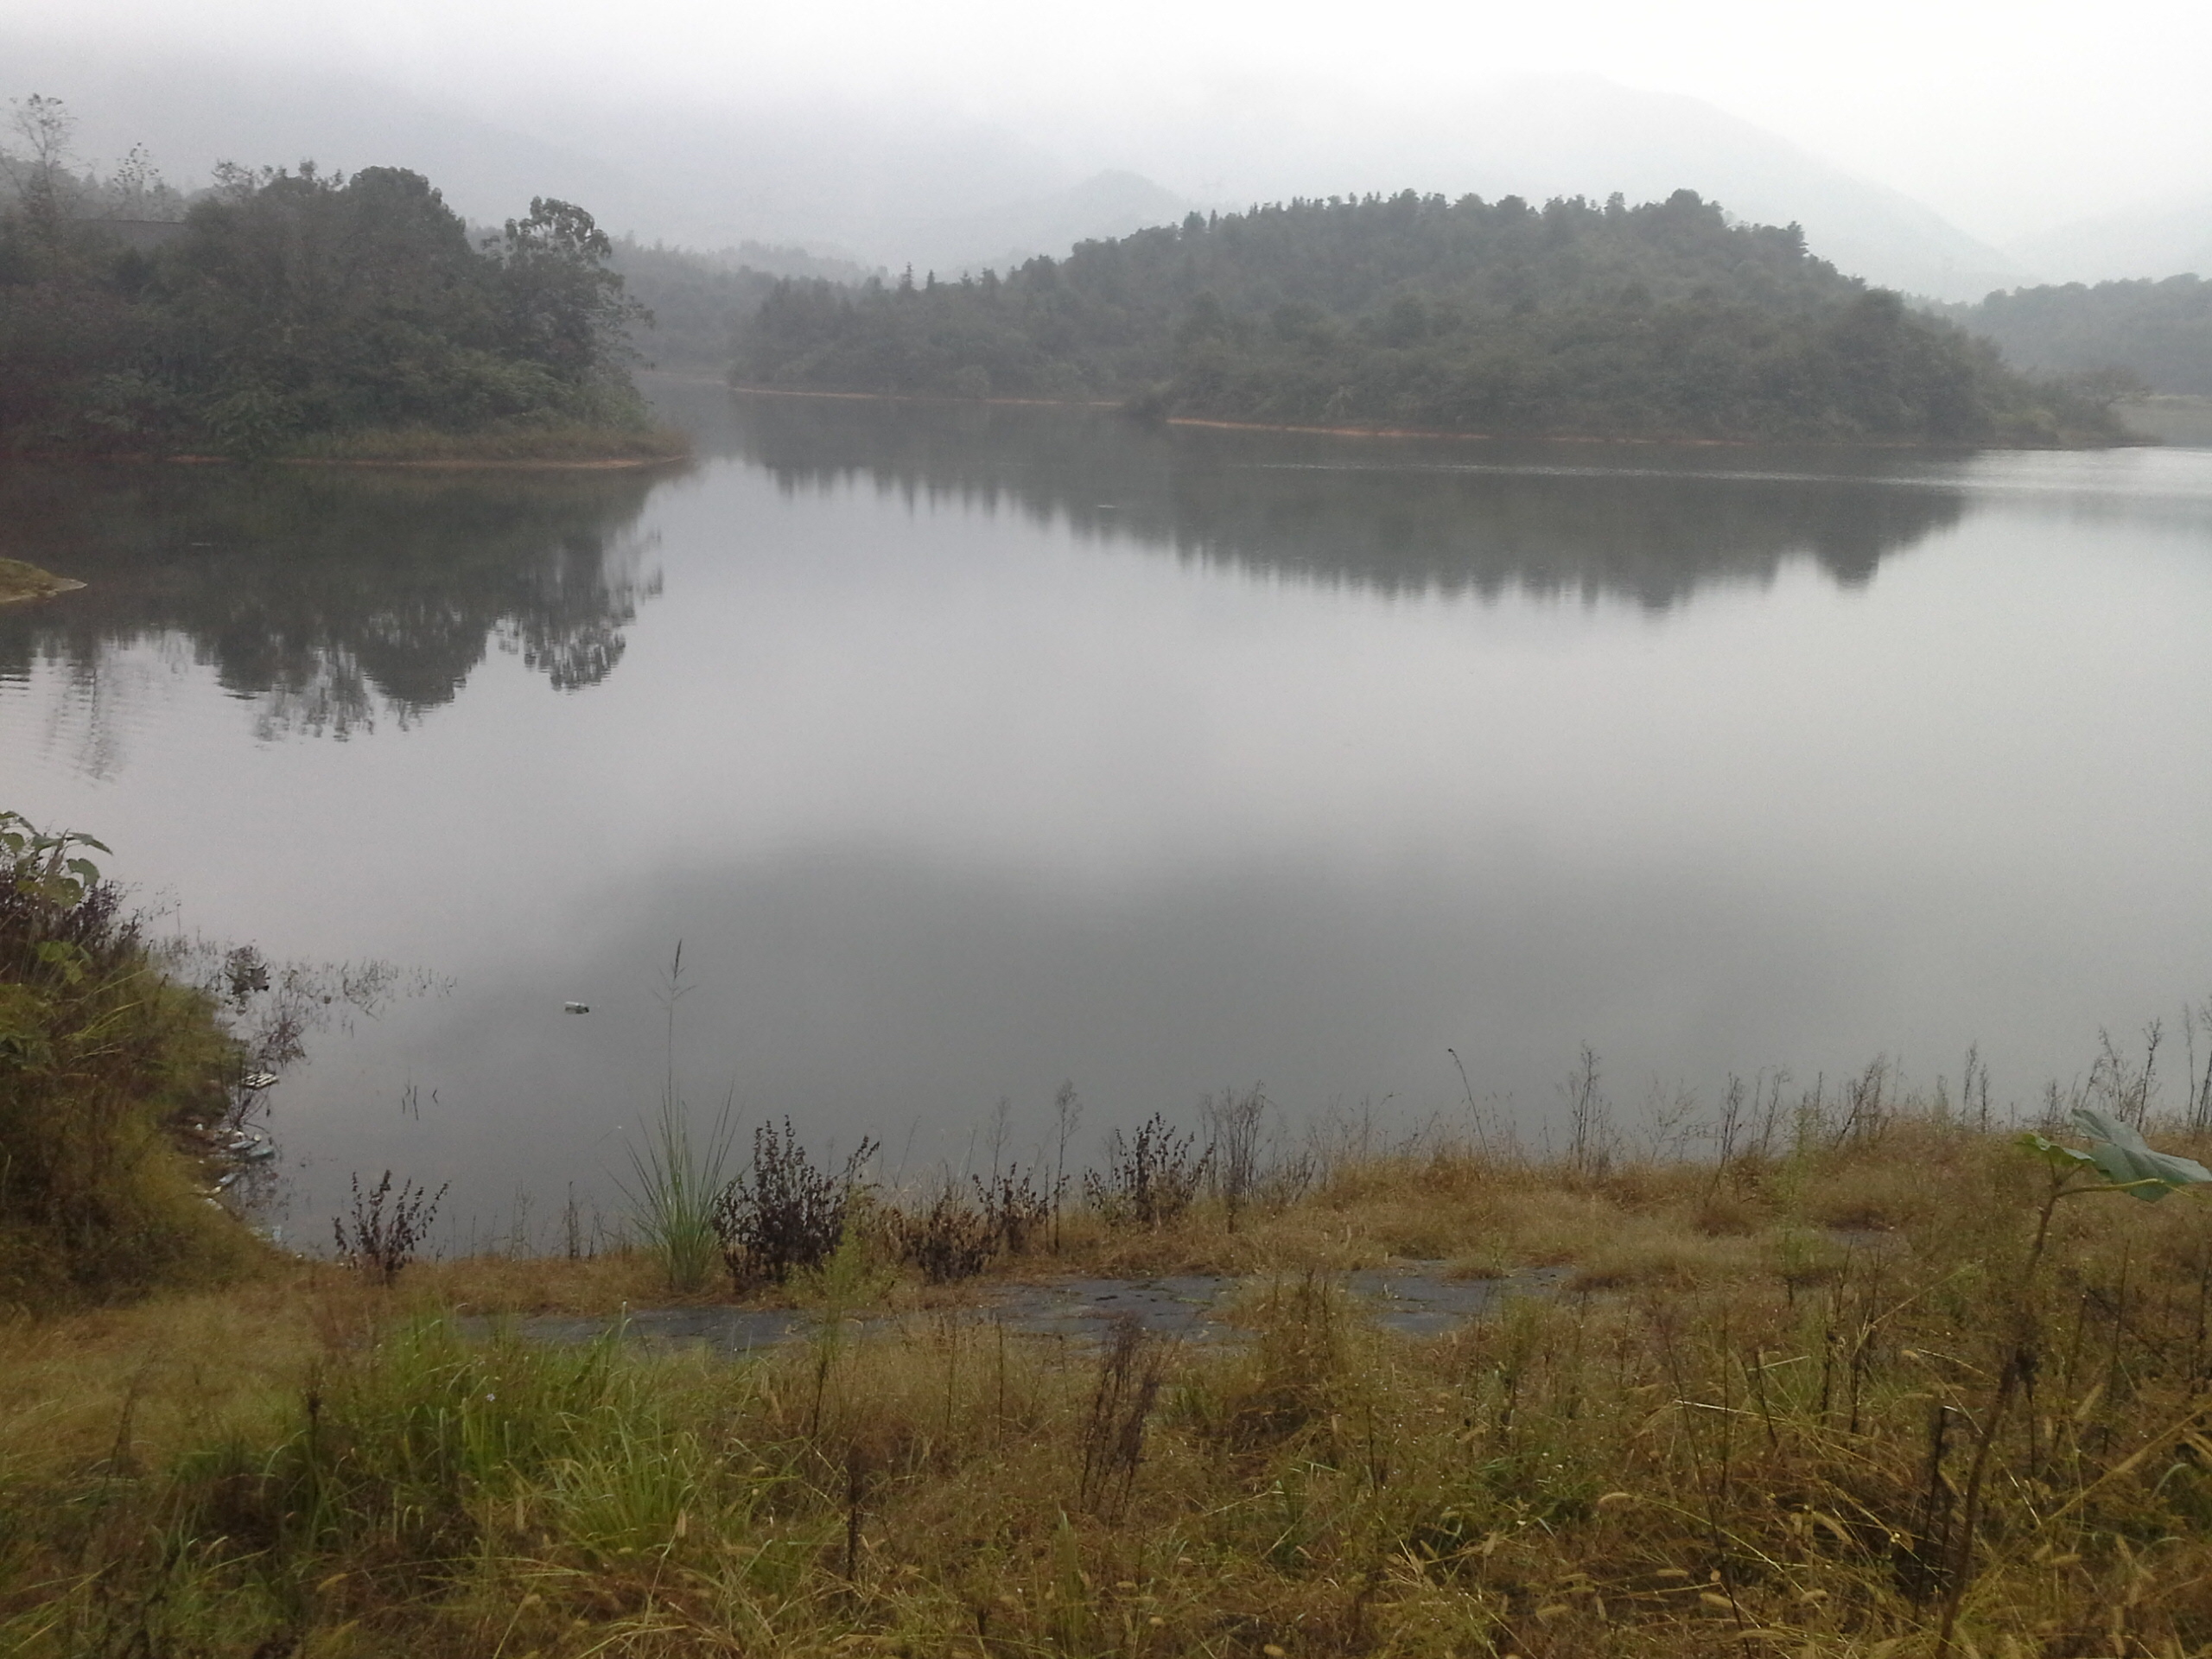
[970, 750]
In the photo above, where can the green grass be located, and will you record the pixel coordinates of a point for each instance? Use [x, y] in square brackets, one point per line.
[673, 1190]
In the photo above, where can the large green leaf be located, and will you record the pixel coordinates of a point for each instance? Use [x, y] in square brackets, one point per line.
[2065, 1160]
[2128, 1161]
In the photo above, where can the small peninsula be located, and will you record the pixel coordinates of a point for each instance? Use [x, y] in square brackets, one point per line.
[306, 315]
[1667, 320]
[20, 581]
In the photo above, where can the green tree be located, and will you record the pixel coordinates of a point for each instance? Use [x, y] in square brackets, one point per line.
[41, 176]
[562, 307]
[294, 304]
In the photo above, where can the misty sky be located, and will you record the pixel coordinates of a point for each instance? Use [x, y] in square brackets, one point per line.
[2007, 117]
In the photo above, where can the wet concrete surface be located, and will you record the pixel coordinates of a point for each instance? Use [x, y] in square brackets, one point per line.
[1416, 1299]
[1419, 1300]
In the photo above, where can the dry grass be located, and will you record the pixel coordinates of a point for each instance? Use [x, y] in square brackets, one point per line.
[148, 1382]
[1742, 1432]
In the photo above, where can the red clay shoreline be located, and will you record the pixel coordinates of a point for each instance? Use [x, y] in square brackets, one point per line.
[432, 463]
[925, 397]
[474, 463]
[1208, 422]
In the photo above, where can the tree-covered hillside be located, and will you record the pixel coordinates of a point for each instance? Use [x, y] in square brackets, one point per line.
[2160, 332]
[1414, 311]
[288, 308]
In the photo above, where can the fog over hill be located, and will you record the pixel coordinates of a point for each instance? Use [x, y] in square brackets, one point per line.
[192, 112]
[1109, 204]
[923, 184]
[2157, 240]
[1539, 136]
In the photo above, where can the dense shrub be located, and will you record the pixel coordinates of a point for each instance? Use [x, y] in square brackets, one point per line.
[952, 1237]
[784, 1215]
[104, 1064]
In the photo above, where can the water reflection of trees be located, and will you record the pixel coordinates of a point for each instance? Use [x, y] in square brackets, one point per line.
[332, 599]
[1647, 523]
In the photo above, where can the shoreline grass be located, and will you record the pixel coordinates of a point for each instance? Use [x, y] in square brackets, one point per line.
[1746, 1424]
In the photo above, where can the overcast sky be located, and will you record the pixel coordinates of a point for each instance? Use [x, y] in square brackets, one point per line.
[2007, 117]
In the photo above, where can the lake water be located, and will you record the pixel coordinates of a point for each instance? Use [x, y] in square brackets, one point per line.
[967, 751]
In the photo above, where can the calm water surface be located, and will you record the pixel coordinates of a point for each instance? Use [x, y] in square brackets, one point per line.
[969, 751]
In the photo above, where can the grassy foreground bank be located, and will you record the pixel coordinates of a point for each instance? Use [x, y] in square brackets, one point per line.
[1753, 1422]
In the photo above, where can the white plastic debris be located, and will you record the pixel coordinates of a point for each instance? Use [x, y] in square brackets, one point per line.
[254, 1081]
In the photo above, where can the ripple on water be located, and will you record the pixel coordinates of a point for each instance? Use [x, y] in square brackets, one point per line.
[88, 719]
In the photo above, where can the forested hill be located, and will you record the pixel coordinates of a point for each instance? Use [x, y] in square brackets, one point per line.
[301, 312]
[2159, 332]
[1414, 311]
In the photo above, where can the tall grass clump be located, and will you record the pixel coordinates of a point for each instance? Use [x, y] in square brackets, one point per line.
[674, 1186]
[675, 1182]
[104, 1064]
